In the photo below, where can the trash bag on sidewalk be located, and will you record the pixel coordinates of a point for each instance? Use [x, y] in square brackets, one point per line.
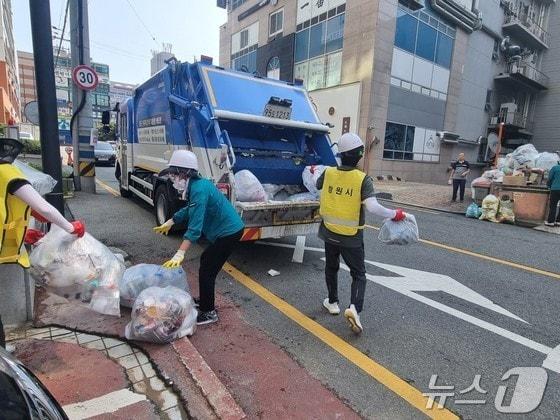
[161, 315]
[490, 206]
[141, 276]
[505, 211]
[249, 188]
[399, 233]
[81, 268]
[42, 183]
[473, 211]
[310, 176]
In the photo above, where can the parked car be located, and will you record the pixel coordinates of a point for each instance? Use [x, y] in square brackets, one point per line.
[22, 395]
[104, 153]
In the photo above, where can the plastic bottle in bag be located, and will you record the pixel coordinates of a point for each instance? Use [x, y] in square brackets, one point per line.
[141, 276]
[161, 315]
[404, 232]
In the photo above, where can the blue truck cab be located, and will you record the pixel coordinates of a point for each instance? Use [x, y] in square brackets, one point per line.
[232, 121]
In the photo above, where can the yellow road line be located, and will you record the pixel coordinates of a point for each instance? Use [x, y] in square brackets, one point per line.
[381, 374]
[105, 186]
[486, 257]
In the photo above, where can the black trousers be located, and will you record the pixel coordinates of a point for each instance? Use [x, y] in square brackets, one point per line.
[211, 262]
[552, 210]
[354, 259]
[2, 336]
[459, 184]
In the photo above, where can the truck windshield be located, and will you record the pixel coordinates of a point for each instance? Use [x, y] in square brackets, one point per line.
[103, 146]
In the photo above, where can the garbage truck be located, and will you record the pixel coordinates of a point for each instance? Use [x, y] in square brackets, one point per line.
[232, 121]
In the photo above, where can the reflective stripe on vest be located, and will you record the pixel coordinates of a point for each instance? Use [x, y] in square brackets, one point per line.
[14, 218]
[341, 201]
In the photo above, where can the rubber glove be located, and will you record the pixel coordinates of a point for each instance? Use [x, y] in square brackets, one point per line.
[176, 260]
[79, 228]
[400, 216]
[165, 228]
[32, 236]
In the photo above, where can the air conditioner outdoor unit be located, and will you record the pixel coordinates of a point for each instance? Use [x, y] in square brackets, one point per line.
[448, 137]
[414, 4]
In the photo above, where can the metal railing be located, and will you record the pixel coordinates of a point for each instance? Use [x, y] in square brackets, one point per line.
[529, 71]
[524, 20]
[516, 119]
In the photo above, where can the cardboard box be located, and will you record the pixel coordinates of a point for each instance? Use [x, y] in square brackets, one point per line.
[515, 180]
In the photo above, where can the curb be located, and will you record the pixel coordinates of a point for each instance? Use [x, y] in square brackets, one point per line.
[212, 388]
[422, 207]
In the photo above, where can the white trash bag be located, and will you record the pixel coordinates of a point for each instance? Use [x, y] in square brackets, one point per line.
[547, 160]
[404, 232]
[40, 181]
[141, 276]
[525, 156]
[310, 176]
[249, 188]
[81, 268]
[161, 315]
[306, 196]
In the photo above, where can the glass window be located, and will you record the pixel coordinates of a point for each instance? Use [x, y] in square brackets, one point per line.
[333, 69]
[316, 73]
[317, 40]
[405, 36]
[273, 68]
[426, 44]
[394, 137]
[300, 72]
[276, 23]
[236, 3]
[302, 46]
[335, 33]
[244, 39]
[444, 50]
[246, 63]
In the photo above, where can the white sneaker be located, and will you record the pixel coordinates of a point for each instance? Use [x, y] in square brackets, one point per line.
[331, 307]
[353, 319]
[549, 224]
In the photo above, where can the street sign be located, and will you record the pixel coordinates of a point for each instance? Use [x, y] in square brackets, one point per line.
[31, 112]
[85, 77]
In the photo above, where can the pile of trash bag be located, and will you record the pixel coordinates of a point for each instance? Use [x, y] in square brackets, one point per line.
[161, 315]
[404, 232]
[80, 268]
[310, 176]
[494, 175]
[41, 182]
[142, 276]
[524, 157]
[249, 188]
[473, 211]
[546, 160]
[306, 196]
[490, 206]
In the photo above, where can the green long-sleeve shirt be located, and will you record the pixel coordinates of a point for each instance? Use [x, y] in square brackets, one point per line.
[554, 178]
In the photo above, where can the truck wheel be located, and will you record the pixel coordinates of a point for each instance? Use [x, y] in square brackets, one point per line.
[162, 205]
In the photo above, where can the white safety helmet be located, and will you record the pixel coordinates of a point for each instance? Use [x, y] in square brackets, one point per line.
[184, 159]
[349, 141]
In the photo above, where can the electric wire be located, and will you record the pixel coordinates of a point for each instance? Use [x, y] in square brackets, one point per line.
[142, 22]
[62, 35]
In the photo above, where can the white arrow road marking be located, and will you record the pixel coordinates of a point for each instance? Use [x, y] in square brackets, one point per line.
[413, 281]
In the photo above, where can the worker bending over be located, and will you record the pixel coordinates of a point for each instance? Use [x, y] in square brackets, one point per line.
[19, 201]
[345, 190]
[208, 213]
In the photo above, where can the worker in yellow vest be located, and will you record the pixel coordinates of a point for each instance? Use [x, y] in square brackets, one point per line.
[19, 201]
[345, 191]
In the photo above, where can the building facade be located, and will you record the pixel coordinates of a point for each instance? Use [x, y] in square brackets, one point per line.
[63, 79]
[159, 57]
[120, 92]
[9, 86]
[419, 80]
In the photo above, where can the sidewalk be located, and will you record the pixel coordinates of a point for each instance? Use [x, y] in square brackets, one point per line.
[437, 197]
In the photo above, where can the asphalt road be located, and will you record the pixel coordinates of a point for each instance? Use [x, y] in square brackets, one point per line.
[481, 299]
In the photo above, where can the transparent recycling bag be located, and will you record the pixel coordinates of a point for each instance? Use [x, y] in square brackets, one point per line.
[249, 188]
[42, 183]
[141, 276]
[404, 232]
[80, 268]
[311, 175]
[161, 315]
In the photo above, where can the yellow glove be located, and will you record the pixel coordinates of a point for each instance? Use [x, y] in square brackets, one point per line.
[176, 260]
[165, 228]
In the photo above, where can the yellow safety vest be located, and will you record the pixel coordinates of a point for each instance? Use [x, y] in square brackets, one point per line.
[341, 201]
[14, 217]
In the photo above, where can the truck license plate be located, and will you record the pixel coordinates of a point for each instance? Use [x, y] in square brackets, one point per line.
[276, 111]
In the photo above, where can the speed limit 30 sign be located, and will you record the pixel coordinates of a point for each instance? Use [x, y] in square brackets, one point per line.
[85, 77]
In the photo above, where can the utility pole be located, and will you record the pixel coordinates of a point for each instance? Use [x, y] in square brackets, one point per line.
[46, 97]
[82, 121]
